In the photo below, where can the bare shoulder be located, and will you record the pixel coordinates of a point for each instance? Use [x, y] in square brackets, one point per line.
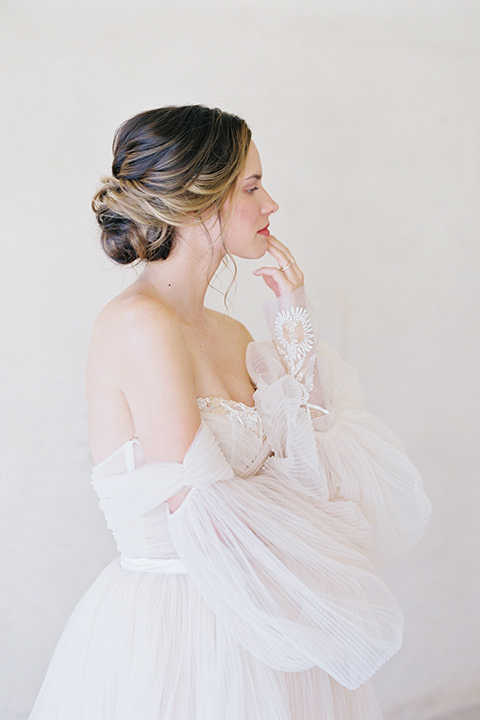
[140, 379]
[129, 318]
[138, 325]
[134, 338]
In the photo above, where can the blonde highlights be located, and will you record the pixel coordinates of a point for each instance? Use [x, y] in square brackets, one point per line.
[170, 166]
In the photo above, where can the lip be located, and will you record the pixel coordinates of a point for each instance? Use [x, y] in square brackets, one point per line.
[264, 231]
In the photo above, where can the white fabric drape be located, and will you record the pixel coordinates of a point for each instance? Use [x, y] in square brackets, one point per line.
[258, 597]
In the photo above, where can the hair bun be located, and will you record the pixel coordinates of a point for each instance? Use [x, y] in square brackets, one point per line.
[117, 235]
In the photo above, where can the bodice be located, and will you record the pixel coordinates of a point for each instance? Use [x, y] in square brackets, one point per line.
[127, 486]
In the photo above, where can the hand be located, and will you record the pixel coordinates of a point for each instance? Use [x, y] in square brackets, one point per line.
[282, 282]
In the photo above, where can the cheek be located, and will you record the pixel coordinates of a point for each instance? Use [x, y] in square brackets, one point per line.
[243, 224]
[248, 217]
[246, 210]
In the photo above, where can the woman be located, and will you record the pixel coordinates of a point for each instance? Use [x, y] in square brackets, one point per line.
[249, 493]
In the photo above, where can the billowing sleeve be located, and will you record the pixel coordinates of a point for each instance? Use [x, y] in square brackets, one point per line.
[312, 408]
[283, 572]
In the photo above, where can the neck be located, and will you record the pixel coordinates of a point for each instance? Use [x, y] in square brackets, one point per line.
[181, 281]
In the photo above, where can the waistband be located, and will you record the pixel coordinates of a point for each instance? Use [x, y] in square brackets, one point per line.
[166, 566]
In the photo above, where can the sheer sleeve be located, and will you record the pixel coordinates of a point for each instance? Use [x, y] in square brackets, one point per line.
[285, 577]
[286, 574]
[324, 439]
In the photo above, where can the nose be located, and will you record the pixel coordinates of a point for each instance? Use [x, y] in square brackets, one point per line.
[269, 205]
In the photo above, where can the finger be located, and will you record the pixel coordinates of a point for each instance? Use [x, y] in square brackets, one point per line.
[275, 242]
[266, 270]
[281, 246]
[288, 280]
[294, 273]
[277, 276]
[280, 256]
[272, 284]
[289, 267]
[274, 249]
[274, 273]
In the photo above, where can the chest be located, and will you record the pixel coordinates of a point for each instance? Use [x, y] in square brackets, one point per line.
[219, 367]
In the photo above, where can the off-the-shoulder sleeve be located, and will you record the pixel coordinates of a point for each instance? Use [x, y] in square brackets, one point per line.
[312, 407]
[284, 575]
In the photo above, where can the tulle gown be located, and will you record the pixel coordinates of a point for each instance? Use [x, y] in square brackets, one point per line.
[258, 598]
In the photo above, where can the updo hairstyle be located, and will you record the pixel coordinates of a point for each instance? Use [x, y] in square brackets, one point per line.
[170, 165]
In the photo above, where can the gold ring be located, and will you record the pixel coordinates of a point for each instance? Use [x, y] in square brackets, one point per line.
[287, 266]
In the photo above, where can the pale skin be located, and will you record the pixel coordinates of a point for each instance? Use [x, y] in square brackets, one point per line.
[155, 348]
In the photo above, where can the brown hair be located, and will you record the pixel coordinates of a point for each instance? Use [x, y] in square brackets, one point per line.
[170, 165]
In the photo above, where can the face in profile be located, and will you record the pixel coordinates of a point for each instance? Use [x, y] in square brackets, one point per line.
[247, 212]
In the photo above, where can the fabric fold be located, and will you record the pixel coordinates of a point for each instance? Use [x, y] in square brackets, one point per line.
[286, 576]
[338, 451]
[287, 579]
[258, 596]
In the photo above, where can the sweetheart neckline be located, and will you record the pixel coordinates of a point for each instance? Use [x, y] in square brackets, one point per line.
[199, 397]
[210, 398]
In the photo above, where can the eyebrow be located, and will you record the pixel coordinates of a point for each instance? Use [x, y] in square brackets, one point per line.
[253, 177]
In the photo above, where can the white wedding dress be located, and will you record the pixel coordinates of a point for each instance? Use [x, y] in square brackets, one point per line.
[258, 598]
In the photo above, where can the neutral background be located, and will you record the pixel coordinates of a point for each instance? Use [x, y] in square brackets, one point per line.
[367, 116]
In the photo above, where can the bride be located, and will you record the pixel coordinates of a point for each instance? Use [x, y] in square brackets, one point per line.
[250, 494]
[159, 327]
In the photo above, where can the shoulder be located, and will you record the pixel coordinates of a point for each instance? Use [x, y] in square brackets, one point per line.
[133, 319]
[126, 313]
[136, 331]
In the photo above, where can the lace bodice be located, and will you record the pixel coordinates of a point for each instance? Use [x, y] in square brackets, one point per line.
[130, 455]
[246, 415]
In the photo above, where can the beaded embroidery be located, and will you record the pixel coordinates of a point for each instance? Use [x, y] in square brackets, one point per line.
[245, 414]
[294, 337]
[294, 340]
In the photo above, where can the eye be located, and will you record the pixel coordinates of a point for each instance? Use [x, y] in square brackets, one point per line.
[252, 190]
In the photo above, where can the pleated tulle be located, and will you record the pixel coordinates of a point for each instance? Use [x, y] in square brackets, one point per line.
[348, 454]
[174, 661]
[278, 612]
[141, 645]
[287, 577]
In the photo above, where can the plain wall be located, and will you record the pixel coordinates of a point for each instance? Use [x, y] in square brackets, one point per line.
[366, 114]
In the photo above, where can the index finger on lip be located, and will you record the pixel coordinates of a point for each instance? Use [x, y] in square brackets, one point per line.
[275, 242]
[279, 255]
[273, 249]
[279, 249]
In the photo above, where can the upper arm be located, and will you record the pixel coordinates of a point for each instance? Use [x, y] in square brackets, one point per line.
[155, 374]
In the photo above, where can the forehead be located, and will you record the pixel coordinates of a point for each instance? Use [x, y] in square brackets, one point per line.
[253, 164]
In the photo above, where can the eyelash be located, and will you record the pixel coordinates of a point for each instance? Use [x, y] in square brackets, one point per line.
[252, 190]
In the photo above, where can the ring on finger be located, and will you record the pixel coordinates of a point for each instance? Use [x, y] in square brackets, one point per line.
[292, 262]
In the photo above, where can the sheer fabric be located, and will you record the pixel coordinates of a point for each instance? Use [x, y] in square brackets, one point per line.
[258, 597]
[332, 445]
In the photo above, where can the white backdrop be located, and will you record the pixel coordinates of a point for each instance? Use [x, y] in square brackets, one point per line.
[367, 116]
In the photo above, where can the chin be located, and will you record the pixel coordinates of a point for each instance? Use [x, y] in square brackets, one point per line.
[255, 252]
[259, 250]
